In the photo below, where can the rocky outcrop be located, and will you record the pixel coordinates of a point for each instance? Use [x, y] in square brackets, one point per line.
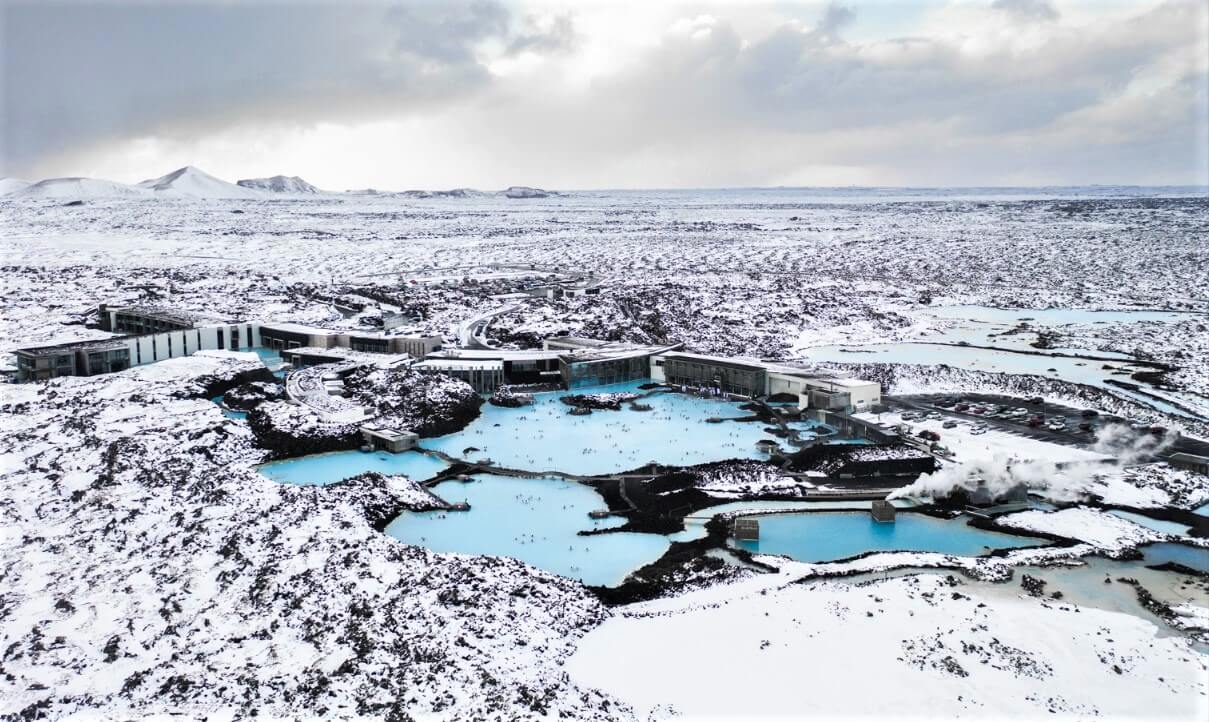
[286, 430]
[249, 396]
[505, 397]
[428, 404]
[610, 402]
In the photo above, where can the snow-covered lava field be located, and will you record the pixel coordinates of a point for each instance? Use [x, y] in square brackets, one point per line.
[148, 568]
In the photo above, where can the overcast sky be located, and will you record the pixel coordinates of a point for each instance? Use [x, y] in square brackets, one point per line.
[614, 94]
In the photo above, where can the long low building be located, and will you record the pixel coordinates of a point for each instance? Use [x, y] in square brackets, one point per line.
[158, 333]
[485, 375]
[283, 336]
[89, 358]
[752, 378]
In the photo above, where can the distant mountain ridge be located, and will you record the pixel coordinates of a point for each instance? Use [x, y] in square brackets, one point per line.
[192, 182]
[12, 185]
[78, 189]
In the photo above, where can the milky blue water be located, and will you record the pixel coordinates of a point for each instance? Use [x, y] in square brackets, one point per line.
[985, 326]
[536, 521]
[981, 326]
[1202, 510]
[1162, 527]
[1071, 369]
[828, 536]
[322, 469]
[694, 524]
[230, 414]
[1050, 316]
[271, 358]
[1192, 557]
[545, 437]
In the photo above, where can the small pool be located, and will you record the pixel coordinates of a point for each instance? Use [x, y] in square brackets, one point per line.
[323, 469]
[228, 412]
[1192, 557]
[1162, 527]
[828, 536]
[534, 520]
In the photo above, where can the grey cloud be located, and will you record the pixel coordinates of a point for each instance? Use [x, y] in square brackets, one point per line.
[708, 108]
[791, 81]
[1027, 9]
[75, 75]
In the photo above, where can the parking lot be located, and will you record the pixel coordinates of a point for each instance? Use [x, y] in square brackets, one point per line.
[985, 408]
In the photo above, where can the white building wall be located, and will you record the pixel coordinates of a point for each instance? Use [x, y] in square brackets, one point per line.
[865, 396]
[209, 337]
[144, 355]
[657, 374]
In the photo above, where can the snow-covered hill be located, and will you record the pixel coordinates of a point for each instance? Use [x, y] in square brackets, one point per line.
[452, 193]
[78, 188]
[190, 182]
[279, 184]
[526, 192]
[12, 185]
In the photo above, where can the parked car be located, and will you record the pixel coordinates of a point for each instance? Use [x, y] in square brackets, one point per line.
[1090, 413]
[929, 435]
[1086, 426]
[961, 407]
[950, 424]
[1036, 421]
[1036, 400]
[978, 430]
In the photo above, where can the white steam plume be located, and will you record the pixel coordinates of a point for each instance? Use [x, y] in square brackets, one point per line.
[1065, 481]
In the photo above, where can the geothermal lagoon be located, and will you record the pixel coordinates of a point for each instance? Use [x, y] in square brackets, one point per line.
[827, 537]
[543, 436]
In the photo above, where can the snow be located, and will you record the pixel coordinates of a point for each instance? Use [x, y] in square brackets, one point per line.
[9, 185]
[190, 182]
[138, 505]
[1102, 530]
[908, 646]
[991, 445]
[279, 184]
[148, 567]
[76, 189]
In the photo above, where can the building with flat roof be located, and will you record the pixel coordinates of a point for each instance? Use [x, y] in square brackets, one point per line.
[1191, 462]
[485, 375]
[384, 438]
[79, 358]
[89, 358]
[752, 378]
[728, 375]
[284, 336]
[527, 366]
[593, 362]
[153, 319]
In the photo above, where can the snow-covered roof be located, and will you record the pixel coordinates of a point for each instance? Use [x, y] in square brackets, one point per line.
[495, 354]
[440, 364]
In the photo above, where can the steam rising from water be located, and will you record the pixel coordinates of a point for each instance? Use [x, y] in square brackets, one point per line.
[1062, 481]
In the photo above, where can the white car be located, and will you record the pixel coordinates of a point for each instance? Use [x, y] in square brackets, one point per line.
[978, 430]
